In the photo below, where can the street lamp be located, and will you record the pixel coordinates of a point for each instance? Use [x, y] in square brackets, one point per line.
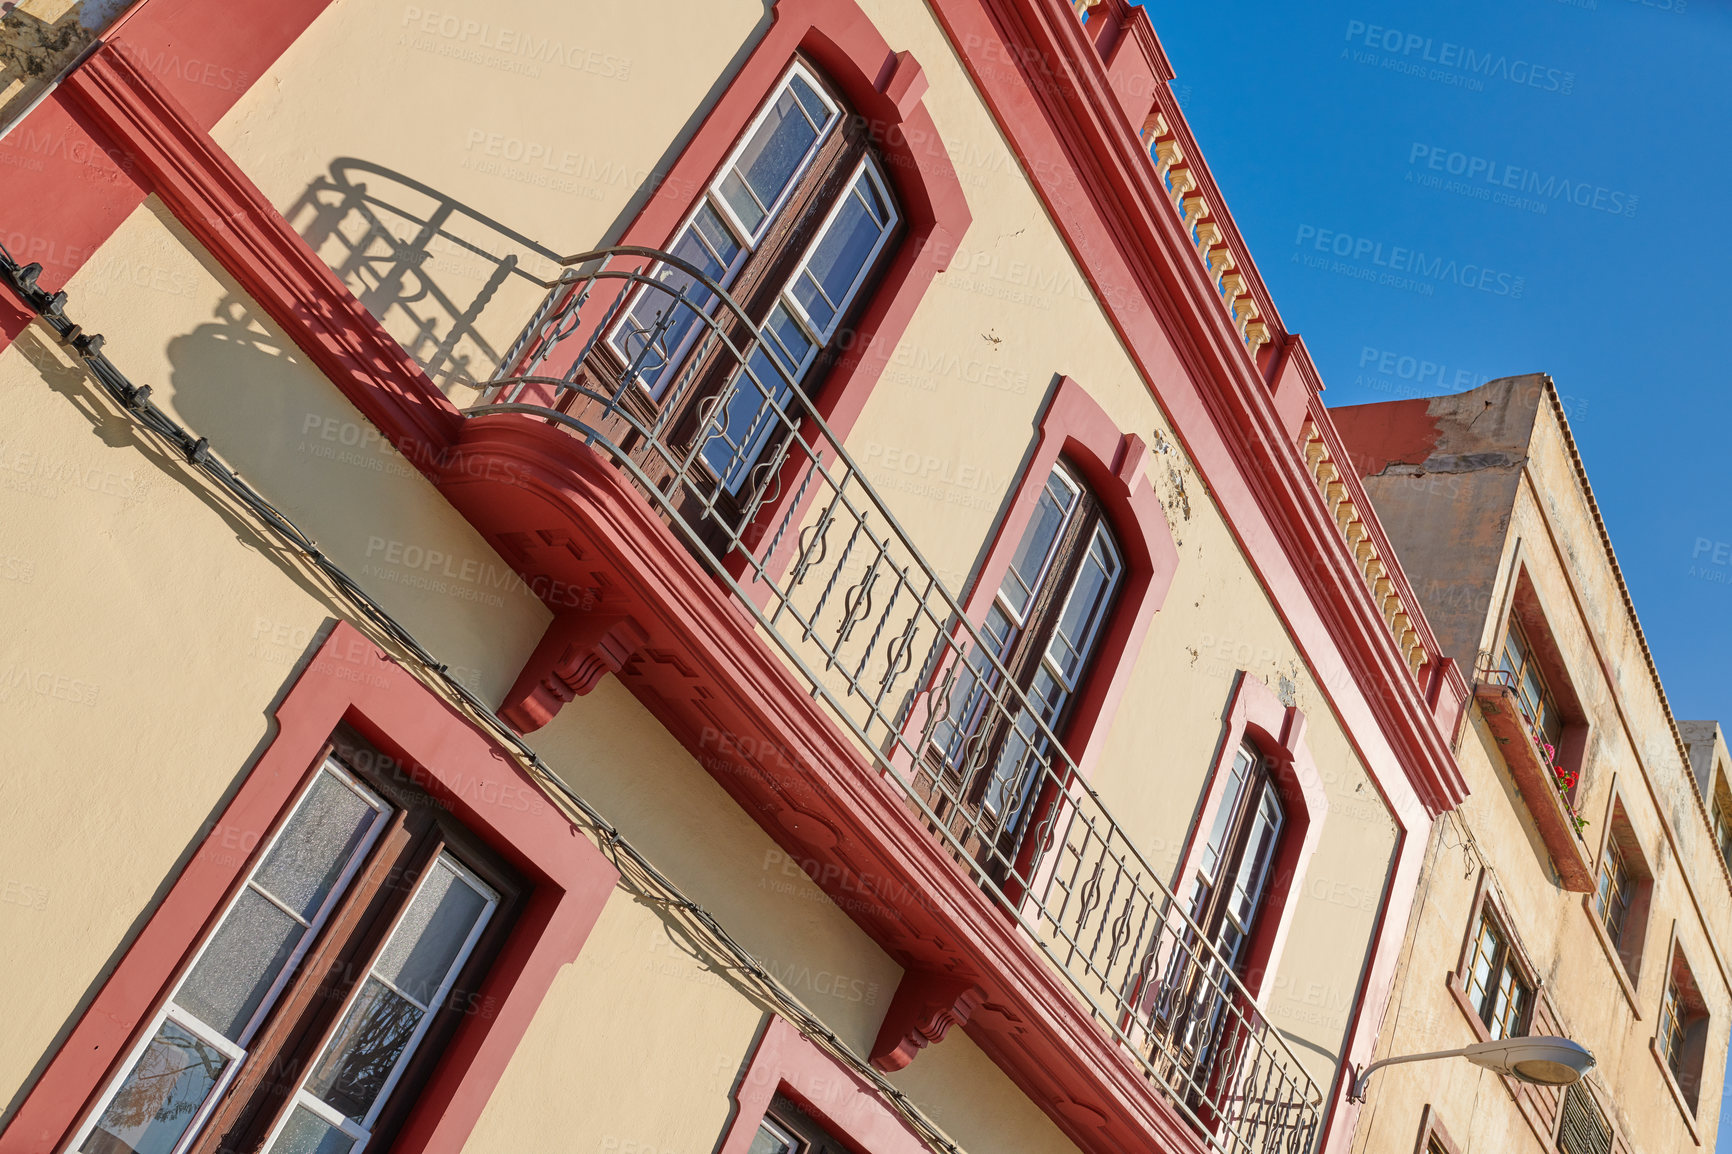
[1542, 1061]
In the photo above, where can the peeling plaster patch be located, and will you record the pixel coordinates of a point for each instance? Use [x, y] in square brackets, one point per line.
[1455, 463]
[1287, 690]
[1177, 479]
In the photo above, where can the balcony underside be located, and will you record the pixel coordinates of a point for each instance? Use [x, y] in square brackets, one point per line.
[1533, 776]
[584, 539]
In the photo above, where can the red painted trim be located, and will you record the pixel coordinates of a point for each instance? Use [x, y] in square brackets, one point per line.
[883, 86]
[844, 1103]
[349, 679]
[1076, 428]
[67, 185]
[705, 673]
[1048, 89]
[232, 219]
[1256, 715]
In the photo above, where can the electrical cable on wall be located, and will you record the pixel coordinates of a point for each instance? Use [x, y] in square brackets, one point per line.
[635, 869]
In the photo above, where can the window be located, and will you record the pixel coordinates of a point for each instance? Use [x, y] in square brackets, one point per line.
[1041, 627]
[802, 322]
[188, 1058]
[1498, 990]
[1521, 668]
[388, 1016]
[1614, 894]
[795, 223]
[343, 955]
[1681, 1035]
[1723, 819]
[787, 1129]
[1235, 863]
[1621, 894]
[1582, 1129]
[477, 805]
[733, 215]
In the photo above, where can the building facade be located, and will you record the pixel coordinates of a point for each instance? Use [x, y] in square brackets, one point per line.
[785, 592]
[1581, 889]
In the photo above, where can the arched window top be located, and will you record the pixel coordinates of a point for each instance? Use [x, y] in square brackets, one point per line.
[1079, 442]
[877, 93]
[1258, 824]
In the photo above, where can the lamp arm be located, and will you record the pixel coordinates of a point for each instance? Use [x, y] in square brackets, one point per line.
[1357, 1094]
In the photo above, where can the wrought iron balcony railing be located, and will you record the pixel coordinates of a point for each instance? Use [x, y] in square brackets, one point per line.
[654, 365]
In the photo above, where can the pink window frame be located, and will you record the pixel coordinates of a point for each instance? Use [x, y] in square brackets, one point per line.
[349, 679]
[845, 1104]
[1277, 730]
[1110, 462]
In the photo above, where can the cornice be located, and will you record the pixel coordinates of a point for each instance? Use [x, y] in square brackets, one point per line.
[1051, 63]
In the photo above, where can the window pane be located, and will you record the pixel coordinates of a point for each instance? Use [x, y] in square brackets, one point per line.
[770, 1141]
[810, 100]
[1088, 597]
[1014, 772]
[365, 1050]
[839, 257]
[156, 1103]
[1214, 847]
[317, 843]
[1036, 544]
[426, 942]
[769, 161]
[237, 969]
[716, 240]
[307, 1133]
[1486, 947]
[789, 342]
[1254, 865]
[738, 433]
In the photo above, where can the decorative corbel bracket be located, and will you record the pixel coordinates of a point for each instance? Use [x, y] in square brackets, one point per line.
[575, 652]
[926, 1005]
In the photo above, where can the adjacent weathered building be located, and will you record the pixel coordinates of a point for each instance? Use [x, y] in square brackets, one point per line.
[776, 586]
[1581, 888]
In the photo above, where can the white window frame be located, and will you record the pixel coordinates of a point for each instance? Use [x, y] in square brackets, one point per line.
[362, 1132]
[999, 599]
[712, 196]
[817, 336]
[237, 1052]
[1085, 647]
[821, 334]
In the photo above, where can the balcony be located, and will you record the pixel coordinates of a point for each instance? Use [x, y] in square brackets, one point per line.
[647, 463]
[1526, 753]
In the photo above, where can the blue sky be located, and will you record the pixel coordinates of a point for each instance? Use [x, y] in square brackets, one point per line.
[1327, 115]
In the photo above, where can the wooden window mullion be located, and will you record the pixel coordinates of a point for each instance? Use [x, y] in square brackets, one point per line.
[293, 1038]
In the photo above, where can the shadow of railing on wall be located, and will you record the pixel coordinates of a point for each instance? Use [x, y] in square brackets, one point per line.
[451, 284]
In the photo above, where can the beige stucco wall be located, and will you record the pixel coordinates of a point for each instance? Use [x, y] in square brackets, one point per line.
[964, 387]
[151, 634]
[378, 83]
[147, 630]
[641, 1001]
[1547, 513]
